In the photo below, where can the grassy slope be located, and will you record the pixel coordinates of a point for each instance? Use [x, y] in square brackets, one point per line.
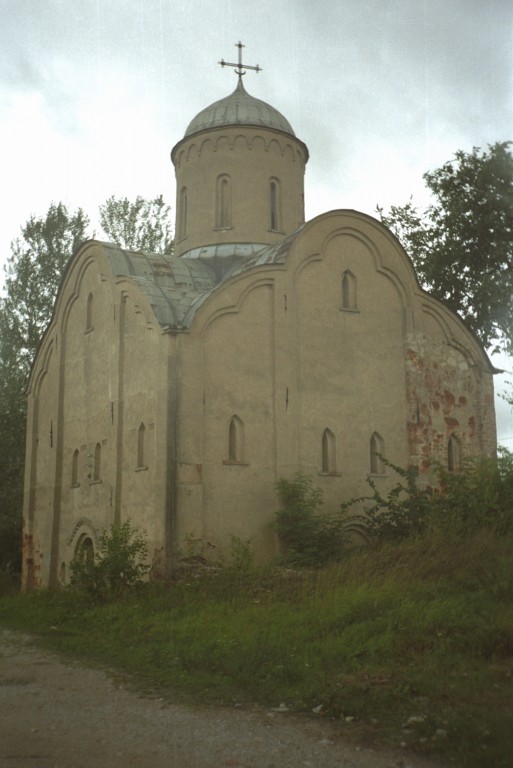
[412, 642]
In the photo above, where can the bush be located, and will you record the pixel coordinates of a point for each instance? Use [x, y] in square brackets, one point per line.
[118, 567]
[307, 537]
[401, 513]
[241, 560]
[481, 495]
[10, 542]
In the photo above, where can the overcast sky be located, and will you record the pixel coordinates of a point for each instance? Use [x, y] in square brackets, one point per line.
[95, 93]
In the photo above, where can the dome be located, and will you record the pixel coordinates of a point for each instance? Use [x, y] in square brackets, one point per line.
[239, 109]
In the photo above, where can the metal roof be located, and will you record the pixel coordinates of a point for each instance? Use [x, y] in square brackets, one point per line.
[223, 256]
[269, 254]
[171, 285]
[239, 109]
[176, 287]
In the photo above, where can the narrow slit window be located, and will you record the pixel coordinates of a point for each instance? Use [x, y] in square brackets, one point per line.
[74, 468]
[453, 454]
[223, 202]
[275, 203]
[89, 313]
[377, 449]
[182, 217]
[97, 462]
[328, 451]
[141, 434]
[348, 290]
[235, 440]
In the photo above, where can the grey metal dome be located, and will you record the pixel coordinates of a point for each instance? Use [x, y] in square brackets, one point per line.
[239, 109]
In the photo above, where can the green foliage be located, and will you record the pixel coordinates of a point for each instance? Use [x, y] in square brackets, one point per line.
[11, 492]
[462, 244]
[479, 496]
[33, 275]
[406, 638]
[241, 555]
[118, 567]
[143, 225]
[402, 512]
[307, 537]
[12, 451]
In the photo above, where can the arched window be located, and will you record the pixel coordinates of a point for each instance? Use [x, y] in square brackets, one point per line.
[453, 454]
[235, 440]
[84, 551]
[348, 290]
[274, 205]
[97, 462]
[377, 449]
[89, 313]
[140, 445]
[182, 214]
[223, 202]
[74, 468]
[328, 452]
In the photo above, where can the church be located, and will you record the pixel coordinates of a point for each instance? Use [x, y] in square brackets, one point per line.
[174, 391]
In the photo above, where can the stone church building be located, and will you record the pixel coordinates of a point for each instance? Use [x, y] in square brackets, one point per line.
[175, 390]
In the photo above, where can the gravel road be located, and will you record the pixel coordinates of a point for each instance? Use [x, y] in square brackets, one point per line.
[64, 715]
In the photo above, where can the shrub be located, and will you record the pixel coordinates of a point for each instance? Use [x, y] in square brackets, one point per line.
[241, 555]
[481, 495]
[118, 567]
[307, 537]
[402, 512]
[10, 542]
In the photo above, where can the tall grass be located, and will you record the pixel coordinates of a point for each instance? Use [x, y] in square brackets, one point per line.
[412, 641]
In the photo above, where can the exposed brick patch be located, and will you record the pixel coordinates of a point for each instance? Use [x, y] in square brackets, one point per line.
[446, 396]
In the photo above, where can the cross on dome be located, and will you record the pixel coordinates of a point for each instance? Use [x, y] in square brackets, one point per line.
[239, 66]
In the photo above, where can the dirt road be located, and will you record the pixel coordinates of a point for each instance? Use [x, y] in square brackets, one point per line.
[63, 715]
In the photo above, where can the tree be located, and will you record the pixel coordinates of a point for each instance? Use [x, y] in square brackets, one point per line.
[462, 243]
[34, 271]
[12, 448]
[142, 225]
